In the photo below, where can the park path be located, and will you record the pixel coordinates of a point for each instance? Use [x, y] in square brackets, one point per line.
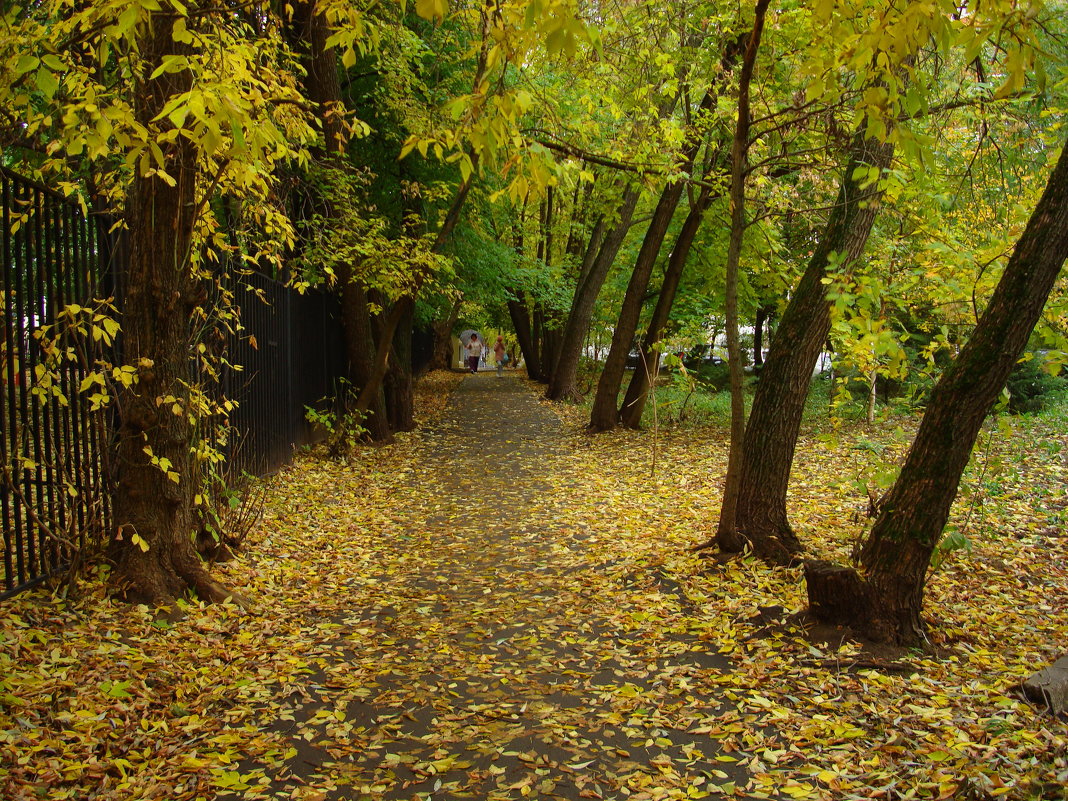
[487, 643]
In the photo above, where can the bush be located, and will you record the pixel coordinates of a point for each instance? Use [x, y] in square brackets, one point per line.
[1031, 388]
[713, 377]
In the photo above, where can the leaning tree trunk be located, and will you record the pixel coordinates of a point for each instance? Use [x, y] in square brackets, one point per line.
[726, 534]
[886, 599]
[779, 401]
[154, 555]
[604, 414]
[563, 383]
[630, 413]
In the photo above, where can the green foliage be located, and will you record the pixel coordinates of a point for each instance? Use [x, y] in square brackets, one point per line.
[1032, 387]
[342, 234]
[341, 427]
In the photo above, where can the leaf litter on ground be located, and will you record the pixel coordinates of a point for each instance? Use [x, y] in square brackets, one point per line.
[443, 619]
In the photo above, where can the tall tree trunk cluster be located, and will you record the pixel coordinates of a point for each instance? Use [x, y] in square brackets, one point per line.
[378, 347]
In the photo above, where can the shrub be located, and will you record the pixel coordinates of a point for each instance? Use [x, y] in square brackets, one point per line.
[1031, 387]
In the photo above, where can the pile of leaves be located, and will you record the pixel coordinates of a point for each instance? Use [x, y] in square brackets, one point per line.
[439, 619]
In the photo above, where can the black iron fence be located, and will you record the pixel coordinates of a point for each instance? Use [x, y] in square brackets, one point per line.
[57, 263]
[291, 354]
[53, 489]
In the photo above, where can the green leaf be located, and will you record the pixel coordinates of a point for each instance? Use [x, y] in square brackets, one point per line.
[47, 82]
[26, 63]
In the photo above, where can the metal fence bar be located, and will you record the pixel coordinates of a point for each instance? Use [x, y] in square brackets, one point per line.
[53, 442]
[10, 374]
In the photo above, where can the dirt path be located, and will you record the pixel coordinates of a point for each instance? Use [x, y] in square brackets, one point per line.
[491, 647]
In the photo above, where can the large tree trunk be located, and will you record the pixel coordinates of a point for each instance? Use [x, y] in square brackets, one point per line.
[564, 378]
[630, 413]
[896, 554]
[152, 547]
[779, 401]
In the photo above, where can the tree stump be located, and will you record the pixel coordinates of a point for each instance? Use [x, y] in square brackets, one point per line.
[1050, 687]
[837, 594]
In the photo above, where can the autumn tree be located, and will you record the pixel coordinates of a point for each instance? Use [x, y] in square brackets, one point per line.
[884, 61]
[167, 108]
[885, 598]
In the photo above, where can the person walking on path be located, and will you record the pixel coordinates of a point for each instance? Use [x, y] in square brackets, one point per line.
[500, 354]
[474, 352]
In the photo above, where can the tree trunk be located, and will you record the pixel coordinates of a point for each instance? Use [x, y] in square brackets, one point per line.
[521, 324]
[779, 401]
[536, 371]
[152, 547]
[630, 413]
[399, 386]
[763, 316]
[563, 383]
[442, 356]
[604, 414]
[726, 534]
[896, 554]
[362, 358]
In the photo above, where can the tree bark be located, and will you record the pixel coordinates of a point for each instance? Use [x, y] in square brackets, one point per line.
[152, 548]
[726, 534]
[630, 413]
[564, 379]
[399, 386]
[778, 403]
[604, 415]
[896, 554]
[763, 316]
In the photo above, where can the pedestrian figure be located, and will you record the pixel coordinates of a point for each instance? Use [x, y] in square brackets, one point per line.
[474, 352]
[501, 355]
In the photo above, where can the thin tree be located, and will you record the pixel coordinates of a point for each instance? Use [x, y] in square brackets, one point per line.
[725, 533]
